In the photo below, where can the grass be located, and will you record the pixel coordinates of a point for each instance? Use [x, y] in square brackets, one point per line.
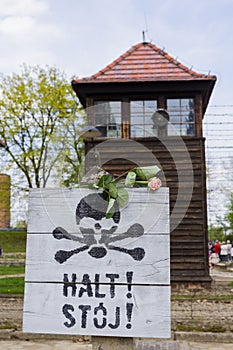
[201, 297]
[231, 284]
[7, 258]
[7, 325]
[12, 285]
[11, 270]
[13, 242]
[212, 329]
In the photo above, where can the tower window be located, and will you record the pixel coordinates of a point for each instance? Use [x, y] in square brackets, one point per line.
[107, 118]
[141, 124]
[181, 113]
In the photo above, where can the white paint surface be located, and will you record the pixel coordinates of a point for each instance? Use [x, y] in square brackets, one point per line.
[150, 315]
[150, 297]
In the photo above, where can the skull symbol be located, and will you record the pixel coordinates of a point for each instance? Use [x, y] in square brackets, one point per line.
[90, 218]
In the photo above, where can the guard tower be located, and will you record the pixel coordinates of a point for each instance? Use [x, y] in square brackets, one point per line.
[122, 100]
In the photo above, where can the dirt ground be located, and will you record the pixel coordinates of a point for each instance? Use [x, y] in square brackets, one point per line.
[196, 313]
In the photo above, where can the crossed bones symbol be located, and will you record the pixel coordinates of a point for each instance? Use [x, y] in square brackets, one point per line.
[88, 239]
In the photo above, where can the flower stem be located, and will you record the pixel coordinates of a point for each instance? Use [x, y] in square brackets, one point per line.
[141, 182]
[119, 176]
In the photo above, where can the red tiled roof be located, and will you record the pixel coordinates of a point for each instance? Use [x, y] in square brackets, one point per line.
[144, 62]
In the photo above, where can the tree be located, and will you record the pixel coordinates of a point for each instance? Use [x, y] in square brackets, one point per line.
[73, 167]
[37, 109]
[229, 215]
[215, 233]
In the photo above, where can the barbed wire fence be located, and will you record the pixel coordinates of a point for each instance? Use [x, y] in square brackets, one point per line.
[218, 130]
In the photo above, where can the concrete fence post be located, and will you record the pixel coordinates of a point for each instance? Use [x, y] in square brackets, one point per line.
[112, 343]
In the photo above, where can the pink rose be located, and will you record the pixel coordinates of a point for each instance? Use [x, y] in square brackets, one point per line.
[154, 183]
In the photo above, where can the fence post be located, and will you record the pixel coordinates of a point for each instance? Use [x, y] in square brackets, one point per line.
[112, 343]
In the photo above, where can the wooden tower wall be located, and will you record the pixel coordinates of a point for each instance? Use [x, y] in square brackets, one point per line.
[189, 254]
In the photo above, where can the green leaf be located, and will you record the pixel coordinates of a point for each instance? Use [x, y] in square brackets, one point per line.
[110, 208]
[123, 197]
[105, 195]
[104, 180]
[130, 179]
[113, 192]
[120, 184]
[147, 172]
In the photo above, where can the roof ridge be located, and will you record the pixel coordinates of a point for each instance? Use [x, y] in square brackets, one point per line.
[115, 62]
[175, 61]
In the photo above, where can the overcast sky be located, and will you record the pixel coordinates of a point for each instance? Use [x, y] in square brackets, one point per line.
[81, 37]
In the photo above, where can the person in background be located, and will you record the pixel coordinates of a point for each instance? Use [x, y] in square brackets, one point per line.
[210, 251]
[223, 252]
[217, 248]
[229, 246]
[210, 247]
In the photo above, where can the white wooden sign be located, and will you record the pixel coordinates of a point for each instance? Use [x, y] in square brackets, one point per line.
[89, 275]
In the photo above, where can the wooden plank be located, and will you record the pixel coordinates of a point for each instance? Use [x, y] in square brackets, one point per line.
[140, 156]
[153, 268]
[145, 314]
[51, 208]
[140, 160]
[194, 227]
[159, 152]
[187, 266]
[192, 221]
[195, 277]
[192, 211]
[183, 252]
[189, 215]
[187, 259]
[186, 245]
[182, 239]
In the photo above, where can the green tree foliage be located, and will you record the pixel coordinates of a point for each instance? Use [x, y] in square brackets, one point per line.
[39, 124]
[73, 170]
[215, 233]
[224, 229]
[229, 215]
